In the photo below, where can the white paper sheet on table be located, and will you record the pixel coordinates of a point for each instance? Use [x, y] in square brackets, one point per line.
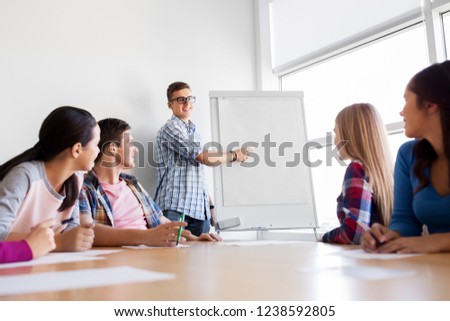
[368, 273]
[361, 254]
[94, 252]
[53, 258]
[256, 243]
[76, 279]
[146, 247]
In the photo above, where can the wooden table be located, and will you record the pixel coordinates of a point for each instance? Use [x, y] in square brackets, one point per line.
[301, 271]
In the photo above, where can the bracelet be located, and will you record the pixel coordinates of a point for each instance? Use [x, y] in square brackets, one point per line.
[211, 207]
[234, 156]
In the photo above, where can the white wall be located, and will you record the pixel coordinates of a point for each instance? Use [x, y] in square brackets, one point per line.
[116, 59]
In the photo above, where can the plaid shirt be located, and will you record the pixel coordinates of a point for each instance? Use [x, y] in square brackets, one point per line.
[181, 179]
[95, 202]
[354, 204]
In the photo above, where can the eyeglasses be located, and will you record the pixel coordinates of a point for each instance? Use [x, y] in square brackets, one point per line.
[183, 100]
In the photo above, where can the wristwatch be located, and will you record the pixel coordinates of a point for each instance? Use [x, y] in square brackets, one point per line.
[211, 207]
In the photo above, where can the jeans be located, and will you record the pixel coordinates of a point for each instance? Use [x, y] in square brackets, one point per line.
[196, 227]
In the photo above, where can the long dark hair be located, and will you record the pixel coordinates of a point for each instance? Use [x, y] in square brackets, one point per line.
[62, 128]
[432, 85]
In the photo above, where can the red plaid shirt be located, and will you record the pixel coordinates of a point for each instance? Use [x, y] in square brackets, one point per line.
[354, 204]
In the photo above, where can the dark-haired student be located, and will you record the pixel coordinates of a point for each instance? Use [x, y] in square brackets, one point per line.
[422, 171]
[44, 181]
[123, 212]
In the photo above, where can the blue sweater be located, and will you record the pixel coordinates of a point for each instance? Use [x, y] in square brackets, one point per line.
[411, 210]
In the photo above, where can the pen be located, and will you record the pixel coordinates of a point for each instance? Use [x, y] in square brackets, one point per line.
[67, 220]
[377, 242]
[367, 228]
[180, 228]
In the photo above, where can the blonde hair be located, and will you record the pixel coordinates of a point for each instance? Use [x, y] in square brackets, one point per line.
[361, 127]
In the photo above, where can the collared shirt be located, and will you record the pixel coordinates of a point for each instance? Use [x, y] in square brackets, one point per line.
[354, 204]
[95, 202]
[181, 178]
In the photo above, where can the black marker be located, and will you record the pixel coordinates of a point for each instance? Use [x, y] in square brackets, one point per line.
[67, 220]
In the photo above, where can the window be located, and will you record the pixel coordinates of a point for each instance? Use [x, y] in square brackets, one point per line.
[446, 21]
[376, 73]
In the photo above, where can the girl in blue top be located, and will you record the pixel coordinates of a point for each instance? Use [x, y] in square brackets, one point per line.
[422, 171]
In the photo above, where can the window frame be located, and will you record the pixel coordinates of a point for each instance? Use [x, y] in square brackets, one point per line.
[269, 78]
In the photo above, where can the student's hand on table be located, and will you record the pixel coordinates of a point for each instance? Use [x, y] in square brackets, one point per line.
[166, 234]
[209, 237]
[78, 239]
[416, 244]
[375, 239]
[42, 238]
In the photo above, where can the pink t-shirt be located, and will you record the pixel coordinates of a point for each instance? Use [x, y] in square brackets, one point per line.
[127, 210]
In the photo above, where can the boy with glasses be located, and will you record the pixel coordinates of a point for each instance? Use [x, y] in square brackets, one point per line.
[181, 185]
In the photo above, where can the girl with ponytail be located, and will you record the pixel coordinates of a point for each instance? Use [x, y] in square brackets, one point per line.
[44, 181]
